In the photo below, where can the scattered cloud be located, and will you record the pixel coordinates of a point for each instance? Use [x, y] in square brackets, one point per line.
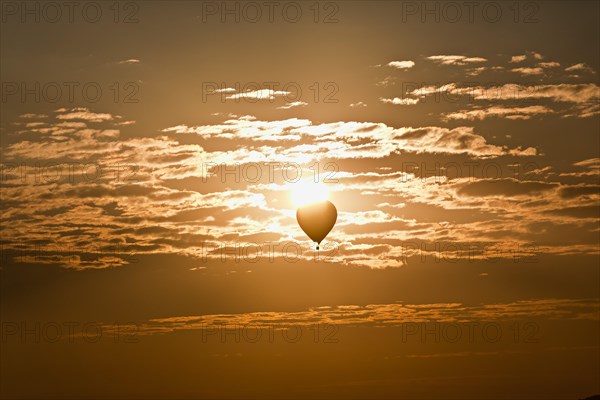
[387, 81]
[398, 101]
[529, 70]
[381, 315]
[550, 64]
[83, 114]
[261, 94]
[225, 90]
[518, 59]
[401, 64]
[456, 60]
[457, 140]
[504, 112]
[563, 92]
[475, 71]
[33, 116]
[129, 61]
[177, 185]
[589, 163]
[579, 67]
[293, 104]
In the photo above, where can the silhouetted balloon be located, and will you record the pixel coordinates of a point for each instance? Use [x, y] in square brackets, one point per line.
[317, 219]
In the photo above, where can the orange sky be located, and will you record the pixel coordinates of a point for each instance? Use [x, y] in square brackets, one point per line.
[150, 161]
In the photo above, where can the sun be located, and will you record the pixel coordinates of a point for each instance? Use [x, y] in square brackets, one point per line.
[307, 192]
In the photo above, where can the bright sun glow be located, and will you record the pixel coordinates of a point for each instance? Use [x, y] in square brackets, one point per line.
[307, 192]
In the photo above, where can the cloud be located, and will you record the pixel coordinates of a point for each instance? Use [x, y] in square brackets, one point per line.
[33, 116]
[261, 94]
[293, 104]
[592, 166]
[379, 315]
[125, 123]
[563, 92]
[579, 67]
[518, 59]
[351, 139]
[34, 124]
[584, 97]
[529, 70]
[475, 71]
[581, 93]
[398, 101]
[129, 61]
[176, 198]
[584, 110]
[358, 104]
[589, 163]
[550, 64]
[387, 81]
[247, 128]
[456, 60]
[504, 112]
[225, 90]
[401, 64]
[457, 140]
[85, 114]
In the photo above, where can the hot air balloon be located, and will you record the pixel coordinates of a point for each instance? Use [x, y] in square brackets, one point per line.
[317, 219]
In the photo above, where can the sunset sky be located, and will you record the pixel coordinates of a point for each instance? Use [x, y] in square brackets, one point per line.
[154, 154]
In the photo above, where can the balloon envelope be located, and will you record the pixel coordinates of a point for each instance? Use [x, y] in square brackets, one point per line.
[317, 219]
